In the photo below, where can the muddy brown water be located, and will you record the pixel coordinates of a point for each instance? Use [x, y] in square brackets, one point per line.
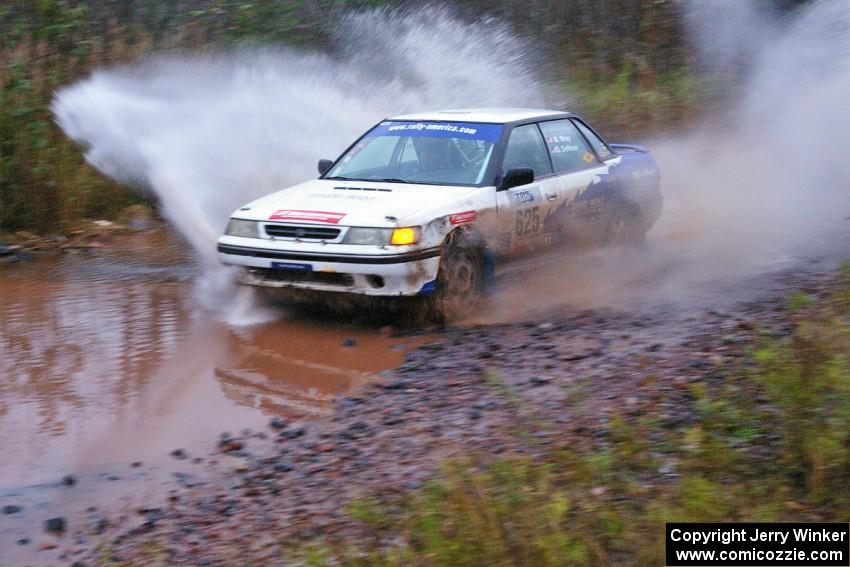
[106, 359]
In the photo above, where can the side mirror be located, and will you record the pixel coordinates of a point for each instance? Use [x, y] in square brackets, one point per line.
[517, 177]
[324, 165]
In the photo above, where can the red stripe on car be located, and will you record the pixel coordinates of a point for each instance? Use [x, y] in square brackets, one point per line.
[463, 218]
[307, 216]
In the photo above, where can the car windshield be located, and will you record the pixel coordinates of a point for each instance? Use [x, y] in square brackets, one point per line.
[436, 153]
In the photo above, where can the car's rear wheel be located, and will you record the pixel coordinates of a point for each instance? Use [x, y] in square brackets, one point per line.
[460, 280]
[624, 229]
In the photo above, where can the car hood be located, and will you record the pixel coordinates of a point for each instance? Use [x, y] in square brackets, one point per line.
[356, 203]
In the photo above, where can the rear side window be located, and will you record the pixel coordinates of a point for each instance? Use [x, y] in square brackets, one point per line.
[602, 150]
[568, 149]
[526, 149]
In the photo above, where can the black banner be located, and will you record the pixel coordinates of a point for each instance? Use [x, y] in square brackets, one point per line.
[756, 544]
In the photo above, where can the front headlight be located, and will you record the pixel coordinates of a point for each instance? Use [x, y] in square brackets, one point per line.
[373, 236]
[406, 235]
[243, 228]
[382, 236]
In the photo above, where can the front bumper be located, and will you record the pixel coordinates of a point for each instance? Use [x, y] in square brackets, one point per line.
[412, 272]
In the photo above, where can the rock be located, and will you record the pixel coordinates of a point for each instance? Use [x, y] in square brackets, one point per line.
[11, 509]
[26, 235]
[55, 525]
[178, 454]
[6, 249]
[292, 433]
[15, 257]
[230, 445]
[277, 423]
[23, 541]
[539, 380]
[69, 480]
[185, 479]
[349, 342]
[101, 525]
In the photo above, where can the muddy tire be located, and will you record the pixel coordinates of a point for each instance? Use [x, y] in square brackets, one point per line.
[460, 280]
[624, 229]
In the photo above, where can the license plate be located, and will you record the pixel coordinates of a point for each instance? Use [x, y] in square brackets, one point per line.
[292, 266]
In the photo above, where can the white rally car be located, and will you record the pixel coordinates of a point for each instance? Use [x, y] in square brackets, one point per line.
[429, 204]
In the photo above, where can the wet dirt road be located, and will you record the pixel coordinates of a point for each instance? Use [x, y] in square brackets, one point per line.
[109, 364]
[107, 361]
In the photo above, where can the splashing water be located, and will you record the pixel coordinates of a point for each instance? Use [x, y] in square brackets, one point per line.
[207, 134]
[766, 178]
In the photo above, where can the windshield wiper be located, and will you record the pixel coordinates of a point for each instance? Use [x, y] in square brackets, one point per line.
[390, 180]
[376, 180]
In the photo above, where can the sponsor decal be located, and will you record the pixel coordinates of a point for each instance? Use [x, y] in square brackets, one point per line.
[307, 216]
[463, 218]
[292, 266]
[563, 149]
[551, 195]
[523, 197]
[582, 205]
[588, 157]
[463, 130]
[343, 196]
[641, 173]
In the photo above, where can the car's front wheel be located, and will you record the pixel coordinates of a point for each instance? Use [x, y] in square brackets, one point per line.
[460, 279]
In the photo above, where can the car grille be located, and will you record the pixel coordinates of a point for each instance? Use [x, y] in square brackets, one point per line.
[298, 276]
[302, 232]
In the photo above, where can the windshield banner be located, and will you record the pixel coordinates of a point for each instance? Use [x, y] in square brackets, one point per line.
[463, 130]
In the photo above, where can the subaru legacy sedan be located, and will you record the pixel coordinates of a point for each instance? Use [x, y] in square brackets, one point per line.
[429, 204]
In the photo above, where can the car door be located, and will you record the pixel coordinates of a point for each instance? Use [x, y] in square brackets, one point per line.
[522, 209]
[578, 212]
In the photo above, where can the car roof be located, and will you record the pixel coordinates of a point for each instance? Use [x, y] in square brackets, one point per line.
[491, 115]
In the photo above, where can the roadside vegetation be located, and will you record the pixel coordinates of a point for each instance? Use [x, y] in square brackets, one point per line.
[770, 442]
[628, 73]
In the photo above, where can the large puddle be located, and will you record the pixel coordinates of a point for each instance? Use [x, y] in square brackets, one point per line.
[106, 359]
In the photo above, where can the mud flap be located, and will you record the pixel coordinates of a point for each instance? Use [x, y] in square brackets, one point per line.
[489, 269]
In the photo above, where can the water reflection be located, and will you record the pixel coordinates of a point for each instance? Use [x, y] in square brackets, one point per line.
[295, 369]
[73, 349]
[104, 357]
